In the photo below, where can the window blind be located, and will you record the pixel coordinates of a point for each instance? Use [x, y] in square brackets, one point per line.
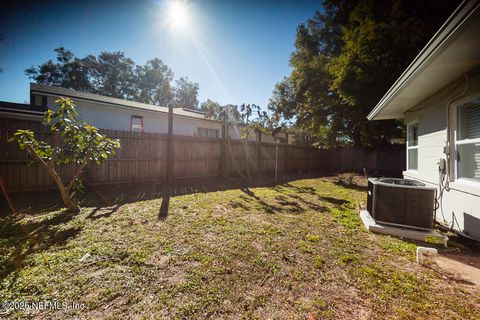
[468, 146]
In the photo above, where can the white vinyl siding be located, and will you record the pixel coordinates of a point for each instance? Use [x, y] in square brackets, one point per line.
[412, 146]
[468, 140]
[459, 206]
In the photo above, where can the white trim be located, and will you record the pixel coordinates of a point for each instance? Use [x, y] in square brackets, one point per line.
[466, 185]
[456, 142]
[466, 99]
[134, 116]
[462, 185]
[409, 124]
[467, 141]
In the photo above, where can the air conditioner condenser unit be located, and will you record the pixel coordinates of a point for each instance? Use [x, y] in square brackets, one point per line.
[401, 202]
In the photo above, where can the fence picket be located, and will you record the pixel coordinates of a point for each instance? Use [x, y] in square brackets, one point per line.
[143, 157]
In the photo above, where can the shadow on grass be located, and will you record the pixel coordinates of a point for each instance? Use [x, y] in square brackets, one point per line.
[163, 212]
[268, 208]
[311, 205]
[105, 212]
[351, 186]
[334, 201]
[107, 199]
[20, 239]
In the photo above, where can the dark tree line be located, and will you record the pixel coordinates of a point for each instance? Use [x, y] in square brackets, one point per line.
[112, 74]
[346, 58]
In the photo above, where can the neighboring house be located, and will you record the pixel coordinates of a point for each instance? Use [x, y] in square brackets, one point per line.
[21, 111]
[119, 114]
[438, 98]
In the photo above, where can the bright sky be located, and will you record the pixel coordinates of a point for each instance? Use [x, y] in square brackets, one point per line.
[235, 50]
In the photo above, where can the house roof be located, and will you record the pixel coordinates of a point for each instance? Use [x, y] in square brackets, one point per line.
[21, 109]
[70, 93]
[453, 51]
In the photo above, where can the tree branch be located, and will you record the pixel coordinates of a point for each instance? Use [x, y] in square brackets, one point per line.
[49, 168]
[35, 155]
[55, 147]
[79, 170]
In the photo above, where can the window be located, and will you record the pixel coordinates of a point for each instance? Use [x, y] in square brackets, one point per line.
[136, 123]
[468, 140]
[202, 132]
[412, 146]
[212, 133]
[207, 133]
[39, 100]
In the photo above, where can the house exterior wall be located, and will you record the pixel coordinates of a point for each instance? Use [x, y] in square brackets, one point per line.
[183, 126]
[116, 117]
[460, 205]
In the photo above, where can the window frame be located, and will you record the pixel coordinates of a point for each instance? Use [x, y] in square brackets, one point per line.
[409, 125]
[134, 116]
[199, 129]
[456, 143]
[39, 100]
[207, 132]
[210, 130]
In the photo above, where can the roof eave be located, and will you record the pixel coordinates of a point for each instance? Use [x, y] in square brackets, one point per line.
[427, 54]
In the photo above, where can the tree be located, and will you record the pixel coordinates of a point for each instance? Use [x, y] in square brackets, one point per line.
[213, 110]
[346, 58]
[154, 83]
[186, 94]
[379, 42]
[263, 122]
[112, 74]
[228, 113]
[68, 72]
[74, 142]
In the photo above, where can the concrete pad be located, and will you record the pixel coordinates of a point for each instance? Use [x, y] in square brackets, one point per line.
[429, 236]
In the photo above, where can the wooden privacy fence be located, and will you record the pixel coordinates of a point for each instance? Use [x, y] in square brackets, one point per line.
[143, 157]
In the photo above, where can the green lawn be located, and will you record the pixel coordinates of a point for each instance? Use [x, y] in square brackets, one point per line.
[292, 251]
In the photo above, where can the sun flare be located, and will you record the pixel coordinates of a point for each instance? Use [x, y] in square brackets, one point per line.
[178, 14]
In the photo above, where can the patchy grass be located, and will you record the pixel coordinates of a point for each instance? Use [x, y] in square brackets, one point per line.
[292, 250]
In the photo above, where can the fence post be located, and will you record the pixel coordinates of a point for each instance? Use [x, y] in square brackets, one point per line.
[246, 149]
[259, 151]
[169, 166]
[223, 149]
[276, 158]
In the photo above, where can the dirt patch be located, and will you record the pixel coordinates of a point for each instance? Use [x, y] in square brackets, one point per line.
[464, 268]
